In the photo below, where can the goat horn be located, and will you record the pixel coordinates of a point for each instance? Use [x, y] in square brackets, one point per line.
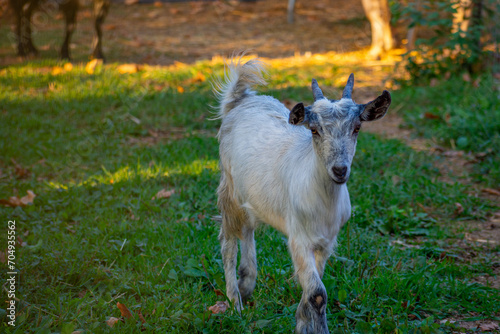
[347, 93]
[317, 93]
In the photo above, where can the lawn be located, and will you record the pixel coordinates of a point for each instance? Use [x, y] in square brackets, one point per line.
[96, 146]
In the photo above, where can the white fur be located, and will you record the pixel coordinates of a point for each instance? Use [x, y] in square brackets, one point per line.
[271, 173]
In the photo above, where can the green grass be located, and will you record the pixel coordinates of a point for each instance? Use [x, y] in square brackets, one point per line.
[95, 237]
[461, 115]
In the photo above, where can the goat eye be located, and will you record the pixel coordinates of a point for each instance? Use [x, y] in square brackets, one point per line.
[356, 129]
[314, 131]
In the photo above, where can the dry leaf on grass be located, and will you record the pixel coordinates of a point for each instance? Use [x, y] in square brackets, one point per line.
[124, 310]
[16, 201]
[459, 209]
[218, 292]
[92, 65]
[163, 194]
[219, 307]
[491, 191]
[452, 154]
[488, 327]
[128, 68]
[199, 77]
[112, 321]
[430, 115]
[21, 172]
[180, 89]
[57, 70]
[141, 317]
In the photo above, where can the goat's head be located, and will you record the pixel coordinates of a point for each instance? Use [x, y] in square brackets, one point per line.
[334, 126]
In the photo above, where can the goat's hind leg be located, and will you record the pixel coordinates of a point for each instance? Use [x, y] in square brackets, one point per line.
[229, 251]
[247, 270]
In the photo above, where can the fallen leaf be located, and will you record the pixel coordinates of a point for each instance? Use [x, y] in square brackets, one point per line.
[489, 326]
[112, 321]
[16, 201]
[124, 310]
[128, 68]
[68, 67]
[77, 332]
[444, 321]
[491, 191]
[131, 2]
[433, 82]
[21, 172]
[199, 77]
[141, 317]
[180, 89]
[466, 77]
[91, 65]
[219, 307]
[153, 14]
[412, 316]
[163, 194]
[158, 4]
[218, 292]
[429, 115]
[452, 154]
[57, 70]
[459, 209]
[110, 27]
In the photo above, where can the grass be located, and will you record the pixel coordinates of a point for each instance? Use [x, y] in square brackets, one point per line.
[99, 146]
[460, 114]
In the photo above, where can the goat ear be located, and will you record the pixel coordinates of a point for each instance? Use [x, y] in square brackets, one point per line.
[377, 108]
[297, 115]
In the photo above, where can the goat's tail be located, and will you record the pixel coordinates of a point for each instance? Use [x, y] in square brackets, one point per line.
[237, 84]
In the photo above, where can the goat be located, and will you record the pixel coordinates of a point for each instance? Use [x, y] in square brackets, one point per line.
[288, 169]
[23, 10]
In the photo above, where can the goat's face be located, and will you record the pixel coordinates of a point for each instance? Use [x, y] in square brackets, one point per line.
[334, 126]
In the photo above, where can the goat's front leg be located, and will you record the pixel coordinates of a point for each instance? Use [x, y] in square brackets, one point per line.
[248, 264]
[321, 255]
[311, 312]
[229, 251]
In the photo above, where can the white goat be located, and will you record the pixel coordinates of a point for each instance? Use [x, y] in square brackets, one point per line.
[286, 169]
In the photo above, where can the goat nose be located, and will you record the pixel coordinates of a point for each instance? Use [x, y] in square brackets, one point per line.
[339, 172]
